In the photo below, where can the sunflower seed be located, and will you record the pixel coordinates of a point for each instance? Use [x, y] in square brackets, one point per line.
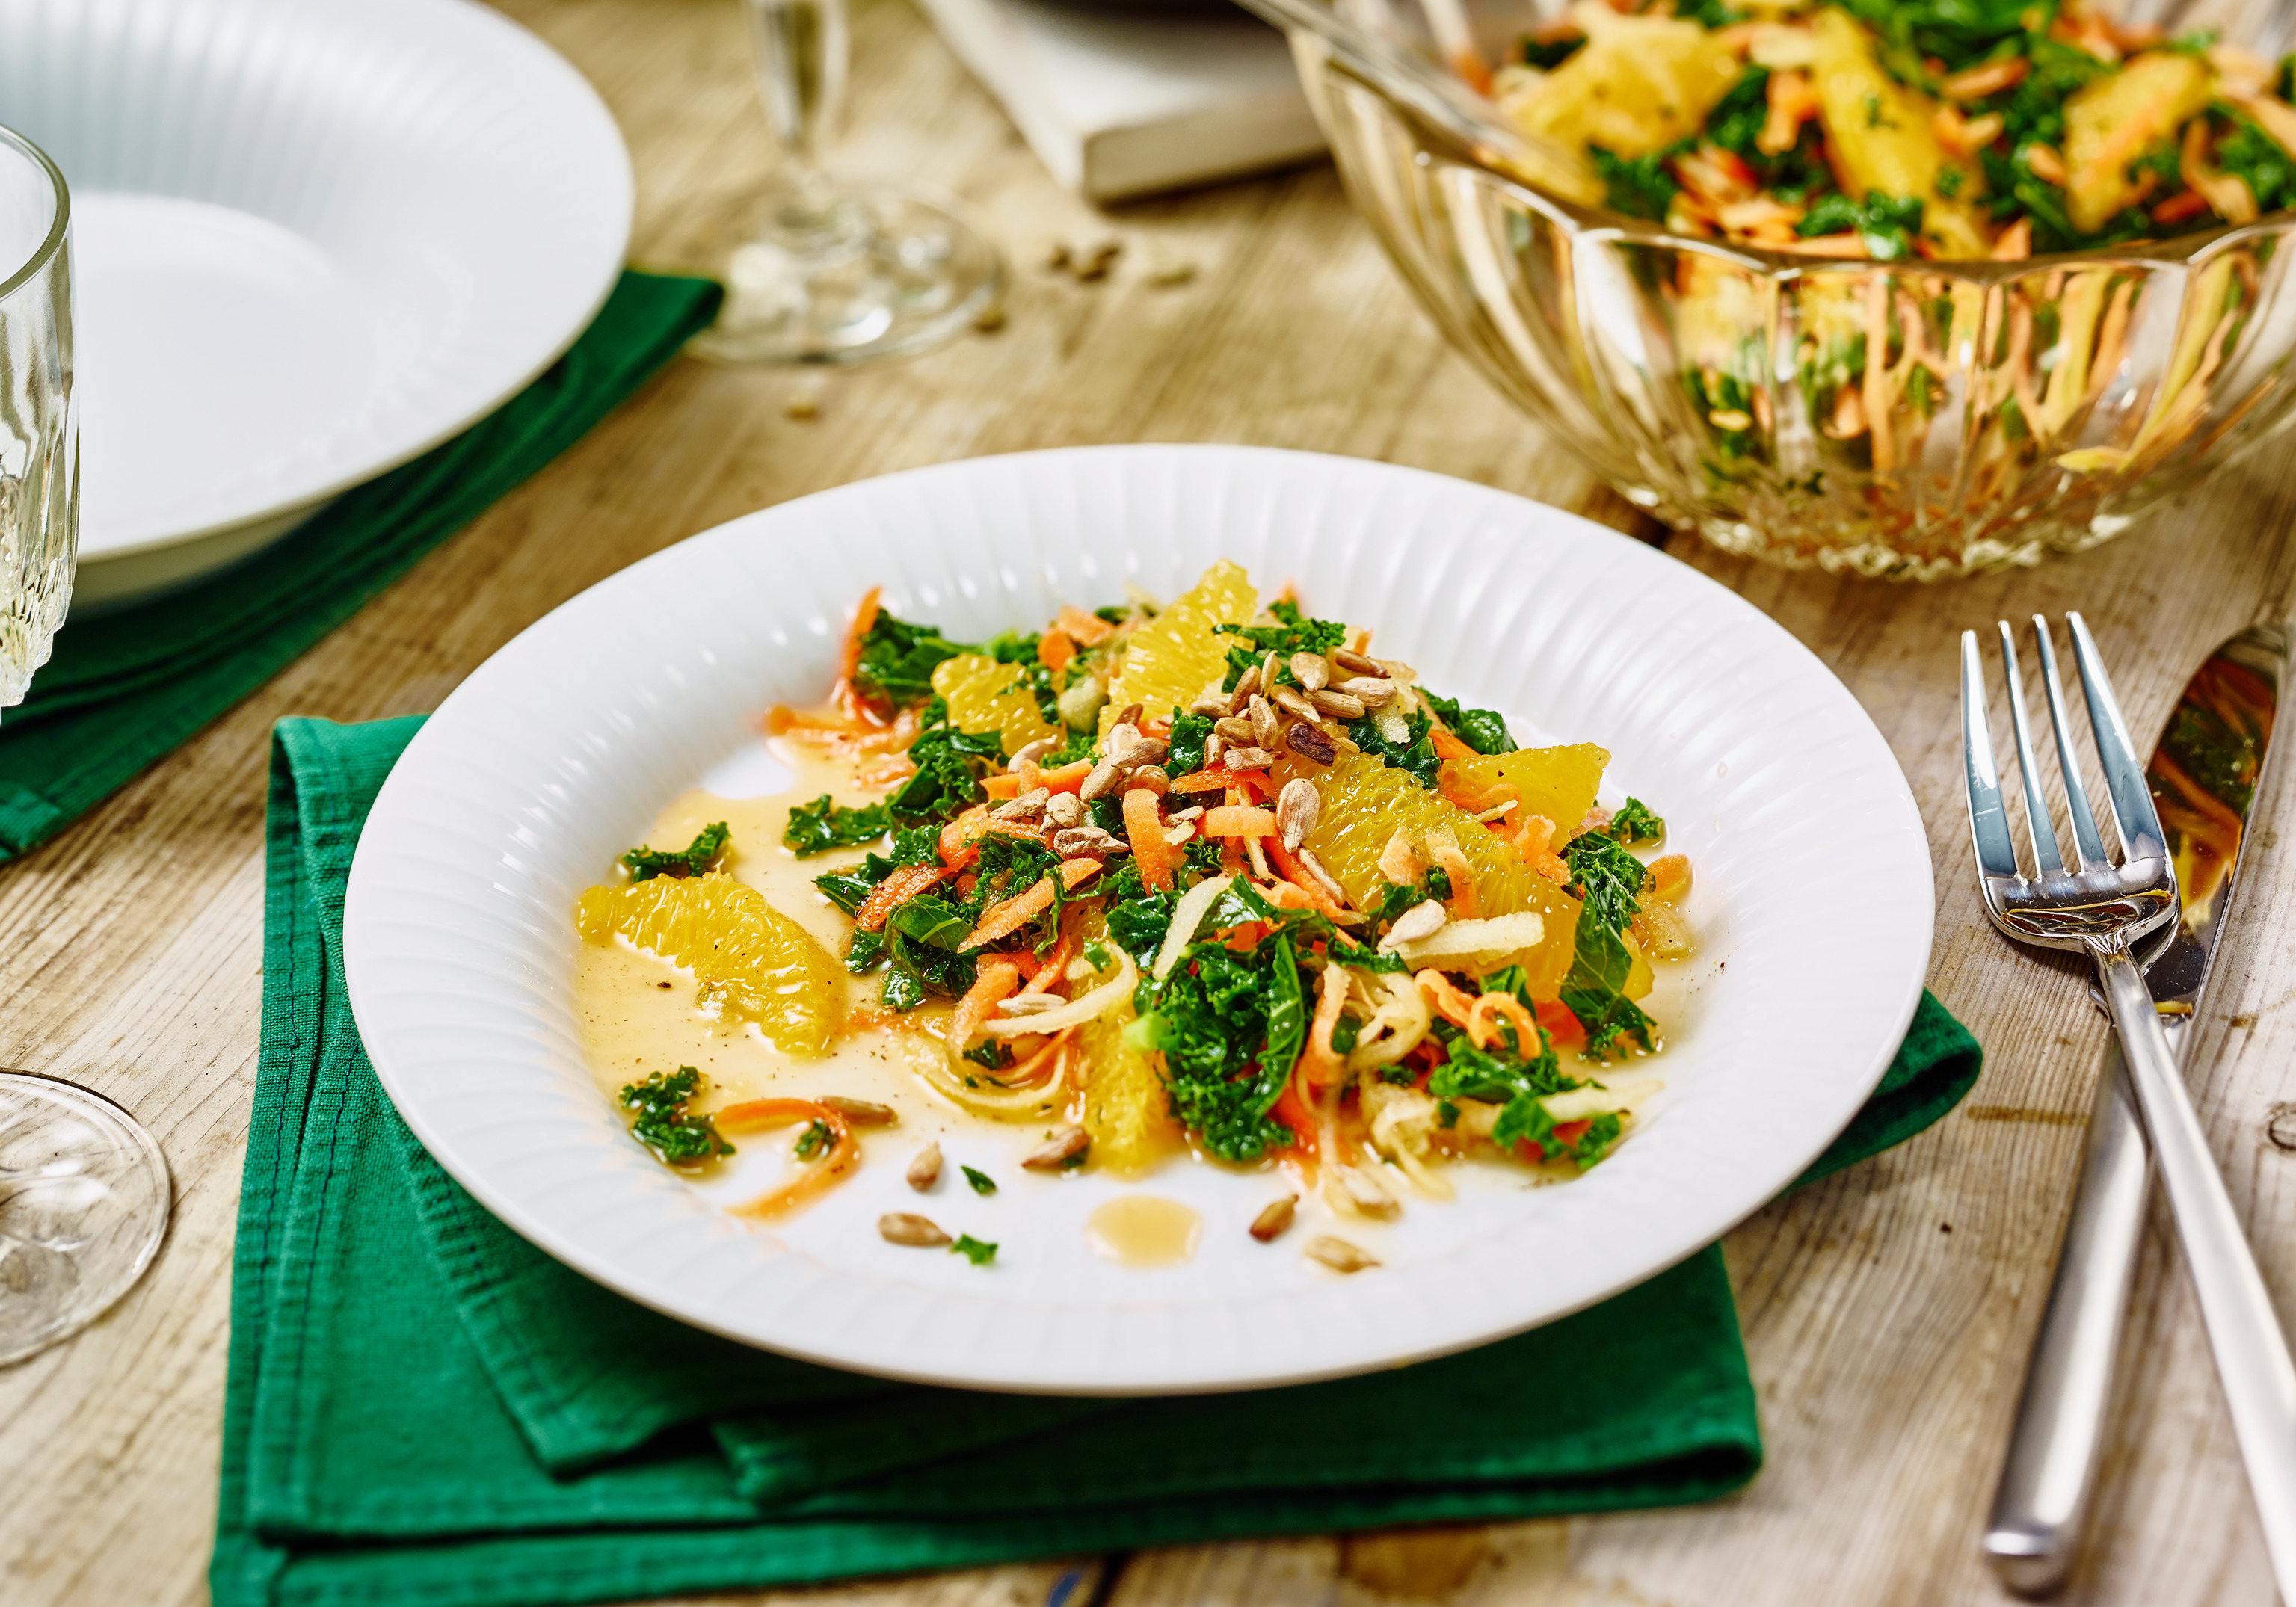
[1130, 716]
[1266, 730]
[1078, 840]
[1338, 703]
[1312, 670]
[1104, 778]
[1323, 878]
[1338, 1254]
[1419, 920]
[1267, 672]
[924, 1171]
[1214, 745]
[1213, 704]
[1292, 704]
[1297, 807]
[1029, 752]
[1149, 750]
[1031, 1002]
[1372, 691]
[861, 1112]
[1271, 1222]
[1058, 1151]
[1248, 758]
[1246, 684]
[1122, 737]
[1063, 809]
[1191, 813]
[1346, 658]
[1151, 778]
[905, 1228]
[1236, 728]
[1308, 742]
[1025, 806]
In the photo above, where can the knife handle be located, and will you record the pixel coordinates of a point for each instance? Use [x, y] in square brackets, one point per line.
[2041, 1506]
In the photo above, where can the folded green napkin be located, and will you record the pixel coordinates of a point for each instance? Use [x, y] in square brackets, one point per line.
[423, 1409]
[126, 687]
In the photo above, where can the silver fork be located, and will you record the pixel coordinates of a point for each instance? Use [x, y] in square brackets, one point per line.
[2100, 908]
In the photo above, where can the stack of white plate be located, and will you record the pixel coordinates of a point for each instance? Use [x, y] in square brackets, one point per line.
[312, 239]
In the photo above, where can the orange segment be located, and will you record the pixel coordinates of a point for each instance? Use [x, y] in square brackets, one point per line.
[1171, 658]
[752, 962]
[984, 695]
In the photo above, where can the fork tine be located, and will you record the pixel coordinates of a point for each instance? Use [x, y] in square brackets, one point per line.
[2125, 789]
[1988, 824]
[2038, 827]
[2085, 833]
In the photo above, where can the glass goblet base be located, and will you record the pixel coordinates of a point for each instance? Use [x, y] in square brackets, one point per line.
[856, 272]
[83, 1202]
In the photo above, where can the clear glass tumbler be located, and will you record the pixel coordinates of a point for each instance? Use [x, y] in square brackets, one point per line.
[841, 272]
[84, 1191]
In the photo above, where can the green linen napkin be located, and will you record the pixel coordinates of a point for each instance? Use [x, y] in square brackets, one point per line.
[125, 688]
[423, 1409]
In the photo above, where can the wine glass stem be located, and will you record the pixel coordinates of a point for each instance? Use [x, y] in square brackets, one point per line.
[803, 50]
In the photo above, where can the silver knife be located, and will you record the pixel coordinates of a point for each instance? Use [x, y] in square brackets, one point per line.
[2205, 777]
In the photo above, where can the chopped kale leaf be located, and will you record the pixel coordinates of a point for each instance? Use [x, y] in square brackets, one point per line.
[1188, 733]
[821, 825]
[1635, 823]
[949, 765]
[817, 1139]
[1414, 755]
[981, 1182]
[1551, 54]
[1482, 729]
[691, 860]
[1640, 186]
[897, 660]
[1887, 226]
[662, 1124]
[1231, 1026]
[1291, 633]
[1607, 879]
[975, 1250]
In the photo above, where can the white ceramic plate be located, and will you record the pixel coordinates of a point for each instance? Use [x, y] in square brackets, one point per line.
[561, 749]
[312, 239]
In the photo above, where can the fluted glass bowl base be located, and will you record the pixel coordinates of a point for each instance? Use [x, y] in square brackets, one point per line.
[871, 273]
[84, 1203]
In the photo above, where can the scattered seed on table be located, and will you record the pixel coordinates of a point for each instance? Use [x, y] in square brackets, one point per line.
[904, 1227]
[924, 1171]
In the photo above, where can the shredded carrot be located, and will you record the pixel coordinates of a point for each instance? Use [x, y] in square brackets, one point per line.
[1027, 1071]
[1670, 877]
[1483, 1025]
[1068, 778]
[1295, 1113]
[1284, 895]
[847, 694]
[2177, 208]
[1443, 849]
[996, 979]
[1003, 919]
[959, 837]
[895, 889]
[1295, 875]
[1320, 1063]
[1453, 1007]
[1054, 649]
[1156, 859]
[844, 1154]
[1447, 746]
[1563, 1029]
[1249, 786]
[1238, 820]
[1089, 630]
[1534, 841]
[1005, 785]
[1452, 786]
[1202, 781]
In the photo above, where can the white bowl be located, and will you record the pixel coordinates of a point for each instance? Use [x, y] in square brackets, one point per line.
[313, 239]
[561, 749]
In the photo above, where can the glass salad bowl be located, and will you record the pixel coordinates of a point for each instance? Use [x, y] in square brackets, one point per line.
[2023, 408]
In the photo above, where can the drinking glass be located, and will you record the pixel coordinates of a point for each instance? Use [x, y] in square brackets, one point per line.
[841, 272]
[84, 1191]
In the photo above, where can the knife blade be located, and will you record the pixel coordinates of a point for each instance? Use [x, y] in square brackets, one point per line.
[2205, 775]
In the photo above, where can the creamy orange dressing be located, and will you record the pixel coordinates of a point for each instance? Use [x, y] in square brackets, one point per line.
[1144, 1230]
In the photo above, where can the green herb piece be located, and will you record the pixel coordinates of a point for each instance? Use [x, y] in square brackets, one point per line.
[1097, 952]
[1949, 181]
[1189, 732]
[821, 825]
[1346, 1033]
[2256, 159]
[817, 1139]
[1551, 54]
[1887, 226]
[1482, 729]
[662, 1124]
[1959, 33]
[1291, 633]
[1635, 823]
[972, 1250]
[1607, 878]
[691, 860]
[991, 1053]
[897, 660]
[1735, 125]
[982, 1183]
[1414, 755]
[1641, 186]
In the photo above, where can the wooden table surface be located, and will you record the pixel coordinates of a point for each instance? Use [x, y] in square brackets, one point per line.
[1887, 1311]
